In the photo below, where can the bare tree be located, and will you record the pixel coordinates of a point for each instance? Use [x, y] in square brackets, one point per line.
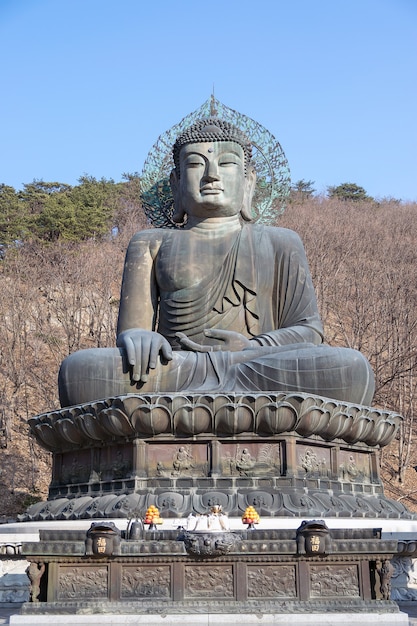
[363, 258]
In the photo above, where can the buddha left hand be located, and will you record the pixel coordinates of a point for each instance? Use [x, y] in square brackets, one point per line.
[230, 341]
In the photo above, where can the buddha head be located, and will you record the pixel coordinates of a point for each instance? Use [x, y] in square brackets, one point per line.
[213, 174]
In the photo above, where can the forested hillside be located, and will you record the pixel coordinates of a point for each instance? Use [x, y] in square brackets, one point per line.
[62, 252]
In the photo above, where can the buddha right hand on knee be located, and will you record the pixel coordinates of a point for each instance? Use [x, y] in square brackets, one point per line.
[142, 350]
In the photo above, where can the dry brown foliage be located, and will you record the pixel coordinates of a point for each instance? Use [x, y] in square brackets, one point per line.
[363, 258]
[58, 299]
[54, 301]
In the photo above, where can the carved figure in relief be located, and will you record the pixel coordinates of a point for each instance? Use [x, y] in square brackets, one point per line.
[245, 462]
[310, 462]
[218, 304]
[403, 575]
[161, 470]
[350, 470]
[119, 466]
[35, 572]
[385, 570]
[183, 460]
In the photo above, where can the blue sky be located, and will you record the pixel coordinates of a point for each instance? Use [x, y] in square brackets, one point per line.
[87, 86]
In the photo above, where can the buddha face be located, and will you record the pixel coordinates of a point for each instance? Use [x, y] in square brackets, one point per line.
[213, 181]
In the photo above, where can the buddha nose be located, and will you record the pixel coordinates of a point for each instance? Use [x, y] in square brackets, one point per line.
[212, 173]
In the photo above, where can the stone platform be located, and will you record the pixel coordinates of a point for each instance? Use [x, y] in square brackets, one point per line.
[311, 569]
[217, 619]
[290, 455]
[401, 531]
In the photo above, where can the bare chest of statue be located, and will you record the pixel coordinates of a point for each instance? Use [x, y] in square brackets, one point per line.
[186, 259]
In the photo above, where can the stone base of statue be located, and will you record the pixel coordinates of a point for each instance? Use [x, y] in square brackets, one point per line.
[263, 572]
[287, 454]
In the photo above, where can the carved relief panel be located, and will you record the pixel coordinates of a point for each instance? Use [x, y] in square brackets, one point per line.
[75, 467]
[146, 582]
[313, 462]
[173, 460]
[334, 580]
[209, 581]
[95, 465]
[271, 581]
[116, 462]
[354, 466]
[79, 583]
[251, 459]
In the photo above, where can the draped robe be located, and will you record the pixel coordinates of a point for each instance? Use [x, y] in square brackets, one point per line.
[256, 282]
[261, 287]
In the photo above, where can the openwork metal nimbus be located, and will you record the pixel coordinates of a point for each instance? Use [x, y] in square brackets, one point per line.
[273, 175]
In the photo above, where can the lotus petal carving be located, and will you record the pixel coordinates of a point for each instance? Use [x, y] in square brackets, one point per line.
[390, 432]
[169, 501]
[151, 419]
[203, 502]
[188, 415]
[193, 419]
[46, 436]
[130, 404]
[89, 424]
[339, 423]
[233, 419]
[313, 418]
[360, 429]
[383, 431]
[276, 417]
[262, 500]
[69, 431]
[116, 422]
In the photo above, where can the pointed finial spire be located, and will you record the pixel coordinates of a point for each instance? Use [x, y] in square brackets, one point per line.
[213, 110]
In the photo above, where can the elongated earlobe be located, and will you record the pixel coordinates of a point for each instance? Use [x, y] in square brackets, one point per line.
[250, 181]
[179, 214]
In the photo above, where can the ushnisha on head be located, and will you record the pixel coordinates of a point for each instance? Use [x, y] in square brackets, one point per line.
[218, 134]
